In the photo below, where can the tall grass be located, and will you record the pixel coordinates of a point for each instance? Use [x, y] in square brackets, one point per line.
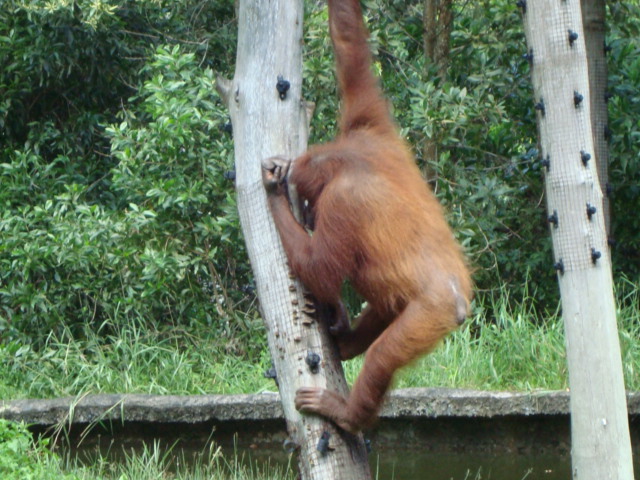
[155, 462]
[508, 346]
[505, 346]
[131, 358]
[23, 458]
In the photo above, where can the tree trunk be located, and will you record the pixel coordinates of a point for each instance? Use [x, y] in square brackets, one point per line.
[593, 18]
[267, 122]
[437, 22]
[601, 447]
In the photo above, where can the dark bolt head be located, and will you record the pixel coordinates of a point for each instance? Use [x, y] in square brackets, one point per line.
[573, 36]
[577, 98]
[540, 106]
[595, 255]
[529, 56]
[553, 218]
[323, 443]
[559, 266]
[227, 128]
[585, 157]
[591, 210]
[271, 373]
[283, 87]
[546, 162]
[313, 361]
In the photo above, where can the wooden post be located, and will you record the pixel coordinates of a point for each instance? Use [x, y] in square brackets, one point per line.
[269, 118]
[601, 448]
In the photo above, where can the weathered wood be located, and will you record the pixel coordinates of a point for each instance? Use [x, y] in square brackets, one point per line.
[267, 123]
[601, 446]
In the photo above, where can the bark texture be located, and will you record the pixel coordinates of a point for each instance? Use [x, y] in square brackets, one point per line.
[437, 22]
[268, 122]
[601, 446]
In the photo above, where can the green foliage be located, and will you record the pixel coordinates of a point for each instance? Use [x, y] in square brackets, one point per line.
[134, 358]
[624, 123]
[163, 251]
[113, 160]
[507, 345]
[23, 459]
[133, 220]
[155, 461]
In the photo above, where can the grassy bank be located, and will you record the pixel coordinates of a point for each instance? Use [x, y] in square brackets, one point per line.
[510, 350]
[21, 458]
[501, 348]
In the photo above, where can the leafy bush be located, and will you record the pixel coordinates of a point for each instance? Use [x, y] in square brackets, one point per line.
[23, 459]
[164, 250]
[624, 123]
[114, 161]
[135, 220]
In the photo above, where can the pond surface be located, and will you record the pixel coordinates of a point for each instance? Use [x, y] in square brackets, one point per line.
[402, 464]
[454, 449]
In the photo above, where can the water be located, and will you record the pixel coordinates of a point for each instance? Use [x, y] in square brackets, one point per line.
[388, 463]
[505, 449]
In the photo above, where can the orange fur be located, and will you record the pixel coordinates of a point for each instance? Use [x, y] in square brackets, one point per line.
[376, 223]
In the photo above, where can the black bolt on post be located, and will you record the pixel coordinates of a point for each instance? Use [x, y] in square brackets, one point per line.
[573, 36]
[523, 5]
[271, 373]
[559, 266]
[283, 87]
[323, 443]
[227, 127]
[595, 255]
[546, 162]
[553, 219]
[313, 361]
[540, 106]
[577, 99]
[591, 210]
[529, 56]
[585, 157]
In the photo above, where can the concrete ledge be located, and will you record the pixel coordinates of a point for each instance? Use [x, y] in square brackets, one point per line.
[402, 404]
